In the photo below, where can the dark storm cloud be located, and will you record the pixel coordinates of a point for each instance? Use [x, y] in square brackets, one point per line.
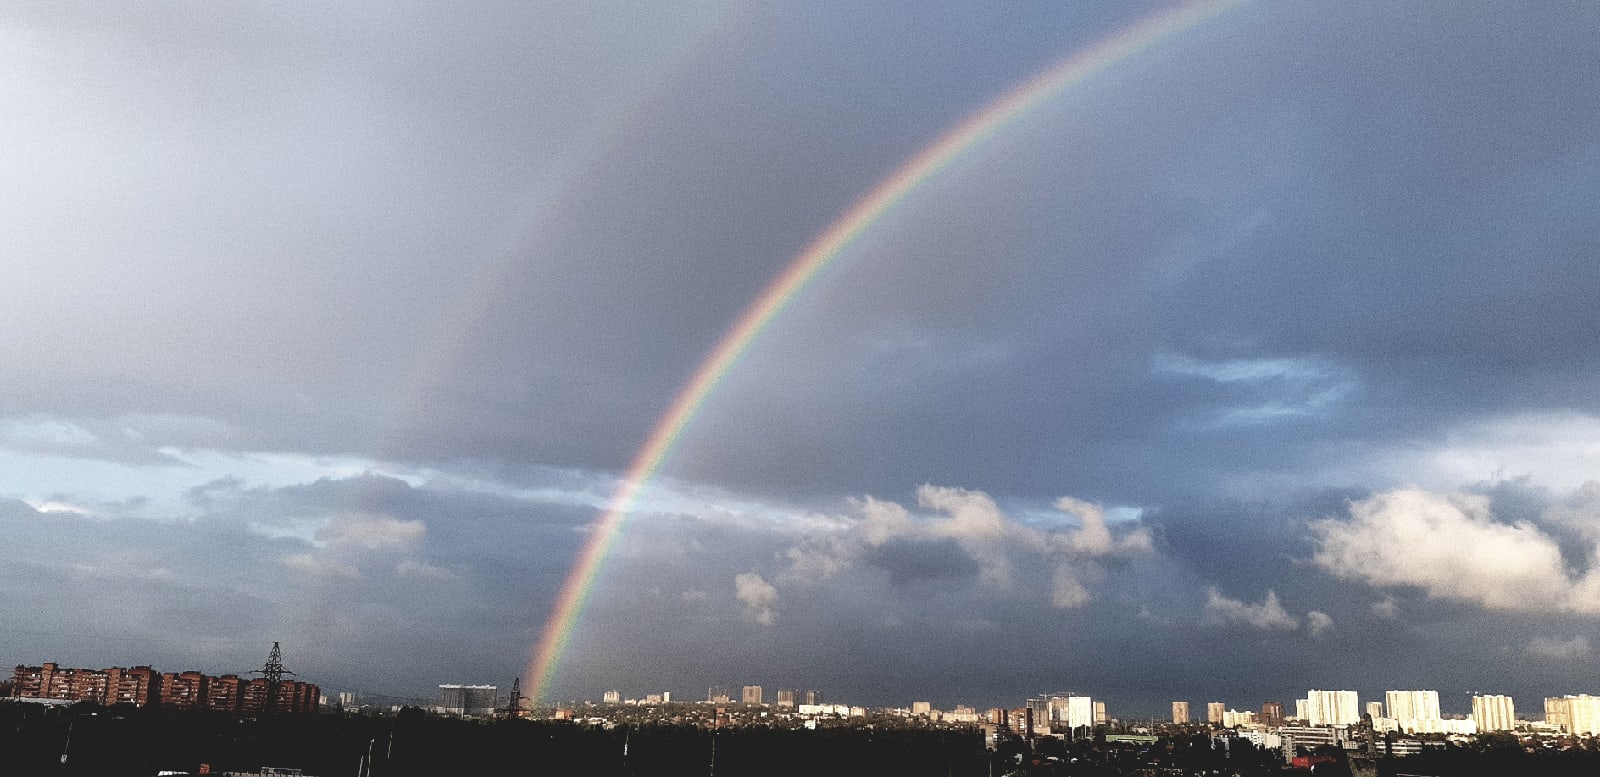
[282, 209]
[1401, 209]
[323, 189]
[369, 582]
[1258, 275]
[115, 590]
[1257, 222]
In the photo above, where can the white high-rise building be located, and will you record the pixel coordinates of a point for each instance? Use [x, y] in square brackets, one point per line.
[1332, 708]
[1555, 712]
[1415, 712]
[1214, 710]
[1302, 709]
[1180, 712]
[1080, 712]
[1494, 713]
[467, 700]
[1584, 712]
[1072, 712]
[1412, 705]
[1577, 714]
[1232, 718]
[1374, 709]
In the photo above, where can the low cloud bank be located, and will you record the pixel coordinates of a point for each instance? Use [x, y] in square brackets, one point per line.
[997, 546]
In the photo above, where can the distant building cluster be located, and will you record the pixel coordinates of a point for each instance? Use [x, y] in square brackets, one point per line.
[1321, 717]
[1405, 722]
[1408, 712]
[1327, 717]
[748, 695]
[143, 687]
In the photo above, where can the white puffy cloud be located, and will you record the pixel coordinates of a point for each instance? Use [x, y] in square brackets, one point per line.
[1269, 615]
[1094, 538]
[1318, 623]
[1578, 512]
[993, 541]
[883, 521]
[350, 545]
[817, 559]
[977, 525]
[1452, 547]
[758, 596]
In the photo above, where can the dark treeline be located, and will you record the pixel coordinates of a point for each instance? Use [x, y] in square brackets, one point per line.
[139, 742]
[1498, 758]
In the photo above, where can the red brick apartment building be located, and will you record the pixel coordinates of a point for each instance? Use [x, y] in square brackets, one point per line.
[143, 686]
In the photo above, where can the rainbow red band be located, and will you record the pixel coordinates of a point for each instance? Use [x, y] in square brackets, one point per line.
[823, 250]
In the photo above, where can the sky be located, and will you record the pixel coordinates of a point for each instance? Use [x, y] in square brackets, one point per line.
[1261, 360]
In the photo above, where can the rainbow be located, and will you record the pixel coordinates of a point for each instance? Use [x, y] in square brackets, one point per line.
[826, 247]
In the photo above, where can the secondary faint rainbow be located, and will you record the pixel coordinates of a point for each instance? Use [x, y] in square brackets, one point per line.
[827, 246]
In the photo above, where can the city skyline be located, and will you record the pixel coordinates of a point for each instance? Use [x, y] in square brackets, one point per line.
[1404, 708]
[891, 351]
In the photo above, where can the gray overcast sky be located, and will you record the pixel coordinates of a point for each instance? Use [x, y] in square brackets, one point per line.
[1264, 360]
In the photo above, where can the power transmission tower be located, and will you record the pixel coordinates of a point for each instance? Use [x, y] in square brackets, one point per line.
[514, 708]
[273, 673]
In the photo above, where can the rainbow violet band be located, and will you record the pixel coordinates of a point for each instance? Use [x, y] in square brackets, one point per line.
[970, 134]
